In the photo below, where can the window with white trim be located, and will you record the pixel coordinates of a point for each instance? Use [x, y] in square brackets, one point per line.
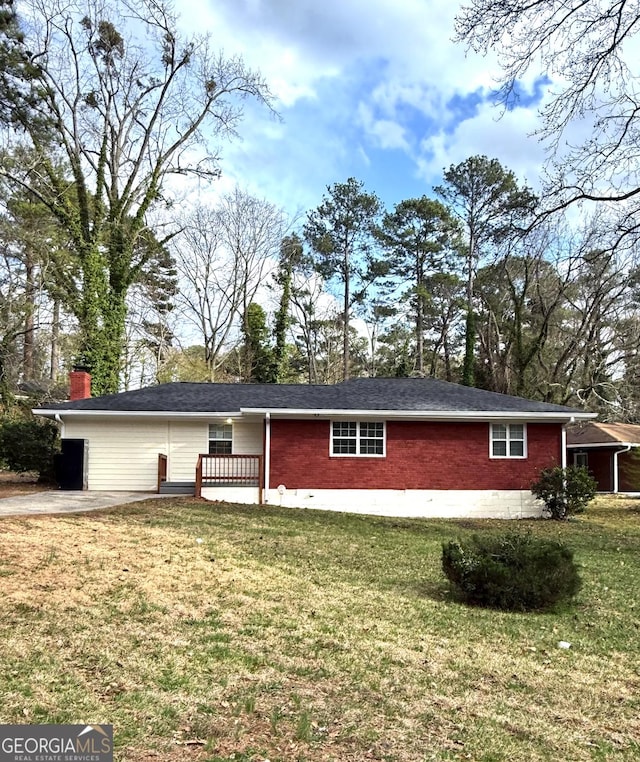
[508, 440]
[359, 438]
[581, 459]
[220, 438]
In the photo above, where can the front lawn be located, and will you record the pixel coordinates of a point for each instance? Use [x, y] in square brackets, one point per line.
[219, 632]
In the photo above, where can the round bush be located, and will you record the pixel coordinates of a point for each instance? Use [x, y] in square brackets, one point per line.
[564, 491]
[514, 572]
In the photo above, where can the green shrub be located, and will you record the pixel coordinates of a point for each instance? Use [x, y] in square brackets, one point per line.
[27, 444]
[564, 491]
[515, 572]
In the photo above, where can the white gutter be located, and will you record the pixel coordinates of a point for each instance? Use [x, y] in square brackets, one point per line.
[593, 445]
[422, 415]
[471, 415]
[204, 414]
[563, 440]
[267, 453]
[616, 481]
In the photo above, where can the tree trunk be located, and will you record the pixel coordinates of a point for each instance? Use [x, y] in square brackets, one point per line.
[102, 314]
[420, 333]
[55, 342]
[28, 364]
[345, 318]
[468, 372]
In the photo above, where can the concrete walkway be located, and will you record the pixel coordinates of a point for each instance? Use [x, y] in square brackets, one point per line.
[61, 501]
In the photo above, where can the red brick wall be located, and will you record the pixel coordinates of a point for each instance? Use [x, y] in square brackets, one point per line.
[419, 456]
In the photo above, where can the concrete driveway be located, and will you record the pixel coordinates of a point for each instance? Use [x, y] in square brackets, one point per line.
[61, 501]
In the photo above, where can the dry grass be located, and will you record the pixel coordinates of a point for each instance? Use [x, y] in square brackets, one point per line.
[12, 484]
[291, 635]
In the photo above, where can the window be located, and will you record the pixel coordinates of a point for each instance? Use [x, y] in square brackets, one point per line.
[357, 438]
[220, 438]
[581, 459]
[508, 440]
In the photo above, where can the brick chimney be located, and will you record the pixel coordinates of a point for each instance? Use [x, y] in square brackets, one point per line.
[79, 384]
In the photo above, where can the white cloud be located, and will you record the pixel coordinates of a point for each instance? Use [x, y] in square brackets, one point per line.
[295, 44]
[385, 132]
[504, 137]
[358, 84]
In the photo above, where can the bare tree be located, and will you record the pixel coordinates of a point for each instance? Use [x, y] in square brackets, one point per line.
[224, 254]
[520, 296]
[587, 48]
[119, 101]
[583, 314]
[150, 336]
[314, 316]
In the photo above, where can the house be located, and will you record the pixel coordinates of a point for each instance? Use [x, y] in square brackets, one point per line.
[608, 450]
[394, 446]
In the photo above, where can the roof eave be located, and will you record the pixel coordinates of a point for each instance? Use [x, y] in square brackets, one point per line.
[134, 413]
[592, 445]
[435, 415]
[472, 415]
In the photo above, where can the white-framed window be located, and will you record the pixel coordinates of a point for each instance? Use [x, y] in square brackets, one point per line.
[581, 459]
[220, 438]
[508, 440]
[358, 438]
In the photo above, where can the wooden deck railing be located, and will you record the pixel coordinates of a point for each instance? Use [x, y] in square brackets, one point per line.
[162, 469]
[230, 471]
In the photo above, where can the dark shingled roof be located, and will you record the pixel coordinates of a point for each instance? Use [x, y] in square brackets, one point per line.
[410, 394]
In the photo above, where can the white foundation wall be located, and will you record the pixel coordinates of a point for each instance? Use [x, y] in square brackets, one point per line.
[122, 456]
[250, 495]
[501, 504]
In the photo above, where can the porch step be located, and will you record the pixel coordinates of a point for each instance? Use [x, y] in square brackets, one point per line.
[178, 488]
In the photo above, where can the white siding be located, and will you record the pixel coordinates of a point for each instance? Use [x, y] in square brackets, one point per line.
[247, 438]
[187, 440]
[123, 455]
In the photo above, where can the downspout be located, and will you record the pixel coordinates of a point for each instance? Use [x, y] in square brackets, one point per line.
[267, 454]
[615, 467]
[563, 442]
[60, 423]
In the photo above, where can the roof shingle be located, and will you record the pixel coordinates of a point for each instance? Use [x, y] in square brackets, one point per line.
[603, 433]
[383, 394]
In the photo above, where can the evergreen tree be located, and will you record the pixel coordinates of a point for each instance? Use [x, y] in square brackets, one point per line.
[492, 207]
[340, 233]
[421, 236]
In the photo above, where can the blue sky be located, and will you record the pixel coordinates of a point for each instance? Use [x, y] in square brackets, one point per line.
[372, 89]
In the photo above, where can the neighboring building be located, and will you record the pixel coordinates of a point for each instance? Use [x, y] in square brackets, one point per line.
[611, 452]
[395, 446]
